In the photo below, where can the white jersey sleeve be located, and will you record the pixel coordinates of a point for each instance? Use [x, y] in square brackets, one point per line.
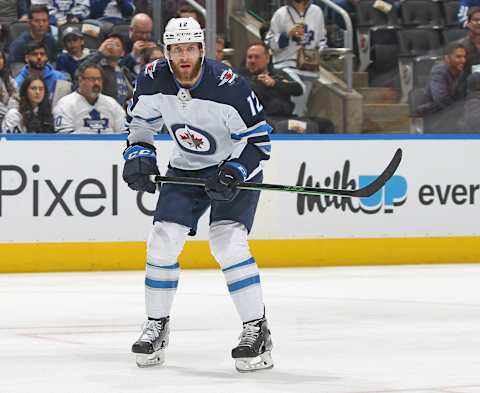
[12, 122]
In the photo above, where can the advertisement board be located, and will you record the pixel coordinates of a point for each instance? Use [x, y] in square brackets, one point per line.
[69, 190]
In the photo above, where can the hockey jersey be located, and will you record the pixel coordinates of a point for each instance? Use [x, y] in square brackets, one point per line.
[465, 5]
[219, 118]
[284, 48]
[74, 114]
[60, 9]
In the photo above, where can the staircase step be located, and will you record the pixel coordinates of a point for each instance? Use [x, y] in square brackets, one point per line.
[360, 79]
[380, 95]
[386, 118]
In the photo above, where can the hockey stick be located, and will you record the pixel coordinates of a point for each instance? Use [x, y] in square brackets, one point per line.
[363, 192]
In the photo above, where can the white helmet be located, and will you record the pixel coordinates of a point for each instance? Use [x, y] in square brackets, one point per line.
[182, 31]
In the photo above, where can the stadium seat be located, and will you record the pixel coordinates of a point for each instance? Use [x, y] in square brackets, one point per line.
[454, 34]
[368, 17]
[420, 13]
[413, 43]
[120, 29]
[450, 12]
[383, 70]
[15, 29]
[93, 32]
[422, 67]
[415, 99]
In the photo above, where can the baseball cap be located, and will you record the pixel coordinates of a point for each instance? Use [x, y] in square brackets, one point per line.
[71, 30]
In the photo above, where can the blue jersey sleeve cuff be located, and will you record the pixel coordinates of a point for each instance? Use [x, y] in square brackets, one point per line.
[283, 40]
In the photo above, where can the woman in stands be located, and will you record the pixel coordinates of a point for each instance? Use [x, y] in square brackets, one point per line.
[7, 86]
[34, 112]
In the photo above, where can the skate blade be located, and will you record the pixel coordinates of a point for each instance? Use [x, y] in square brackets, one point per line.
[149, 360]
[261, 362]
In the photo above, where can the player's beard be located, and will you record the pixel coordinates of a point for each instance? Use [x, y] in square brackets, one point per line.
[187, 77]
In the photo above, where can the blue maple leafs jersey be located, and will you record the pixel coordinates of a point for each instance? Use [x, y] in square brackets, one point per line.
[218, 119]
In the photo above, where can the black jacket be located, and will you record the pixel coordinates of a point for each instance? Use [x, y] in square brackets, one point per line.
[275, 100]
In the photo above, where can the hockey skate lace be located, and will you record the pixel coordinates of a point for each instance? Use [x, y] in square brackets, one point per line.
[249, 335]
[151, 331]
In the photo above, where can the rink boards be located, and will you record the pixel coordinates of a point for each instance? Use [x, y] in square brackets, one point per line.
[64, 206]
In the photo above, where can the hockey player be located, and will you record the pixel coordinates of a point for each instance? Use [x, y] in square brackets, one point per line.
[220, 133]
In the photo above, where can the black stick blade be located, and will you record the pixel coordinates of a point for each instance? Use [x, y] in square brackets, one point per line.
[380, 181]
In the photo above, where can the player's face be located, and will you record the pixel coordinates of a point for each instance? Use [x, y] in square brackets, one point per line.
[186, 61]
[90, 83]
[37, 59]
[457, 59]
[36, 92]
[257, 59]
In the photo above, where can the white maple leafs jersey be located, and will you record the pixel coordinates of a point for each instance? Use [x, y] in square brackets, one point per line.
[285, 48]
[74, 114]
[219, 118]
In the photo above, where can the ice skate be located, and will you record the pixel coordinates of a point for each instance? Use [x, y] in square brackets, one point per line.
[150, 347]
[253, 353]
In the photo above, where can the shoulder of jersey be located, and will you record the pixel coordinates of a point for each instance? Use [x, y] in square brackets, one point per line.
[156, 68]
[222, 74]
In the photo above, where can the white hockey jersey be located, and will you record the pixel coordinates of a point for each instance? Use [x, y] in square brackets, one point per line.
[74, 114]
[219, 118]
[284, 48]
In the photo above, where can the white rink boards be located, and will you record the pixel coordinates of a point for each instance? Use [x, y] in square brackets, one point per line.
[65, 207]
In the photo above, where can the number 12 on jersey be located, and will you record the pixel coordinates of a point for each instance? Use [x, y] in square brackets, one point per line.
[255, 105]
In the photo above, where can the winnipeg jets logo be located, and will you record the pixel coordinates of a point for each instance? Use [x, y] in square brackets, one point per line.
[227, 77]
[194, 140]
[191, 139]
[150, 68]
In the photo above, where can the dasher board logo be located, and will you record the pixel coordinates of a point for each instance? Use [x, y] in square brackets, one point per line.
[194, 140]
[392, 195]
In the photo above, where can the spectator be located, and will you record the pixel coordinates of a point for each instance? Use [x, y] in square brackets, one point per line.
[7, 86]
[34, 113]
[139, 38]
[296, 27]
[472, 41]
[274, 89]
[65, 11]
[37, 64]
[149, 55]
[74, 51]
[472, 104]
[443, 102]
[465, 6]
[13, 10]
[117, 79]
[86, 110]
[114, 11]
[187, 11]
[38, 33]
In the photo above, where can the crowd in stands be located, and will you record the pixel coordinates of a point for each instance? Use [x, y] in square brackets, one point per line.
[73, 65]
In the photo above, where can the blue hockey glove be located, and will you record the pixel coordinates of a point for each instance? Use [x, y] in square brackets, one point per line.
[223, 185]
[140, 163]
